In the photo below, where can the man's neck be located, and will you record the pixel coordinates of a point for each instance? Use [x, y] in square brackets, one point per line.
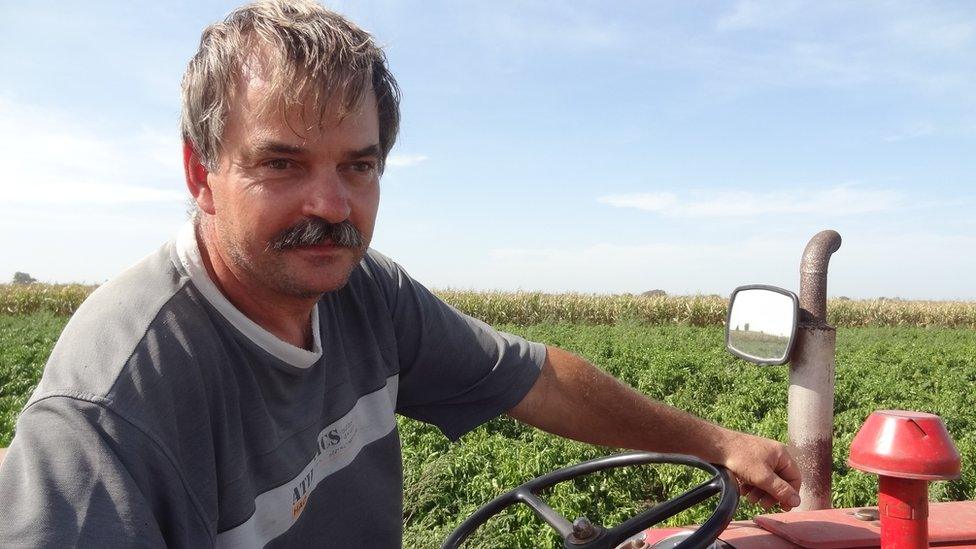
[287, 317]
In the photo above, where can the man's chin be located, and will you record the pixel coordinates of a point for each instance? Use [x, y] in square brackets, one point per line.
[313, 288]
[317, 274]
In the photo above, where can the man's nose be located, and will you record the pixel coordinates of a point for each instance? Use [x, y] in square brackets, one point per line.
[328, 198]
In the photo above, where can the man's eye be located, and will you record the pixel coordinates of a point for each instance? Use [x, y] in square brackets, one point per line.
[362, 167]
[278, 164]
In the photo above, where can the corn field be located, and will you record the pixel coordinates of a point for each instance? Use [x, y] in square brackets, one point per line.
[529, 308]
[60, 299]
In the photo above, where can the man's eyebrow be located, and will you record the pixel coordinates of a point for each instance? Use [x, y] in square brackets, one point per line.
[371, 150]
[273, 147]
[277, 147]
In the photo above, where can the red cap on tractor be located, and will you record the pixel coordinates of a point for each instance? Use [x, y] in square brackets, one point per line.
[906, 449]
[902, 444]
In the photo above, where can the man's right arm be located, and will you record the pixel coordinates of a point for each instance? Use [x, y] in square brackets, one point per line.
[575, 399]
[78, 474]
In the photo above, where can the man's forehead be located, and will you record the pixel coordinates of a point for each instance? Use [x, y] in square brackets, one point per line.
[259, 109]
[266, 85]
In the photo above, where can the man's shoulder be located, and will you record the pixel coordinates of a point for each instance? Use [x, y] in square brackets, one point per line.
[376, 274]
[145, 310]
[375, 264]
[149, 283]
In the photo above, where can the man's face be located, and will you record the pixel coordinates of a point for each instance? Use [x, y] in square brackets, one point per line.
[278, 171]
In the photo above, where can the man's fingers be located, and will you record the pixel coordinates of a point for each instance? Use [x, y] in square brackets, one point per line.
[768, 502]
[781, 482]
[750, 493]
[781, 490]
[767, 473]
[758, 497]
[788, 471]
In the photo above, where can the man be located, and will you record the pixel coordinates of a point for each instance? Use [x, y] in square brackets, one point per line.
[238, 387]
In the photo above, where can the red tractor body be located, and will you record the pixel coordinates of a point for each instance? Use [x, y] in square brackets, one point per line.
[950, 524]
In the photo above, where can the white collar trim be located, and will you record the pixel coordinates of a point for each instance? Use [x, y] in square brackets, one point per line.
[188, 251]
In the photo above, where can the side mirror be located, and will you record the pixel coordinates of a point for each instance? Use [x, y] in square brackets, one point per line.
[761, 326]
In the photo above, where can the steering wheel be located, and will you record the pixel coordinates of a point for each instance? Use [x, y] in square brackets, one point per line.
[584, 535]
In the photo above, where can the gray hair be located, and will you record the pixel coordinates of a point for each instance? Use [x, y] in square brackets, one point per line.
[310, 54]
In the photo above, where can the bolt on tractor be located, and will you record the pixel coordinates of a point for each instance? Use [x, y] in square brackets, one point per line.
[769, 325]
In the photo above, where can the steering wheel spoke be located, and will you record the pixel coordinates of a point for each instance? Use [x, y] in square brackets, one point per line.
[558, 522]
[663, 511]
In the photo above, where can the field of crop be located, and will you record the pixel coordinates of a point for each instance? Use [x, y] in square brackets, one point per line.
[669, 348]
[528, 308]
[930, 370]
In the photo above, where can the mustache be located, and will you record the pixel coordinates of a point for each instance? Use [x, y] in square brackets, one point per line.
[314, 231]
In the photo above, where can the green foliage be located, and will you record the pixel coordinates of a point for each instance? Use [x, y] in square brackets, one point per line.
[931, 370]
[25, 343]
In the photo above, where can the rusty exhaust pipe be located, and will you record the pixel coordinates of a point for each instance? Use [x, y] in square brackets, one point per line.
[811, 393]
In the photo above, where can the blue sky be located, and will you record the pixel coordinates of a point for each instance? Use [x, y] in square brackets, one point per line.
[577, 146]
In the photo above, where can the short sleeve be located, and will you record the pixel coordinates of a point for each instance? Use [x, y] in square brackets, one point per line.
[456, 372]
[76, 475]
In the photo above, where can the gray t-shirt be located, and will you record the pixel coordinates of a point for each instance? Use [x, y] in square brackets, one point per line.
[166, 417]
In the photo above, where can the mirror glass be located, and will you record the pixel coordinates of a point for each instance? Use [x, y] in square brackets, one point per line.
[761, 325]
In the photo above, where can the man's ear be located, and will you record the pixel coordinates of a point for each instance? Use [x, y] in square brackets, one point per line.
[196, 179]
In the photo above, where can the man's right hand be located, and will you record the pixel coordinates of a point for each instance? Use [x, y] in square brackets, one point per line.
[767, 473]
